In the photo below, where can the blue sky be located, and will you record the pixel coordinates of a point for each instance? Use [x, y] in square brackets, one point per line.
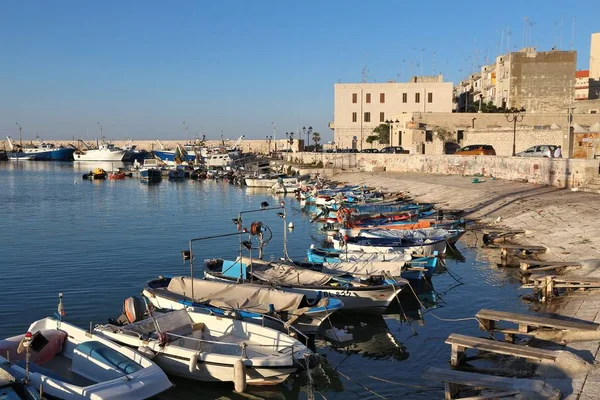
[141, 68]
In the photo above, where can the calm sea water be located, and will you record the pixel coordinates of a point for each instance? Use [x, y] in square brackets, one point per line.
[99, 242]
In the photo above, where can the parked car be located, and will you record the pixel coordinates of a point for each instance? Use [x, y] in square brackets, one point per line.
[369, 151]
[477, 150]
[349, 151]
[394, 150]
[543, 150]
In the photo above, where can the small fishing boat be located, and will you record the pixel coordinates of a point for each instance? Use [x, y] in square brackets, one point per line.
[412, 269]
[151, 172]
[13, 386]
[97, 173]
[249, 302]
[70, 363]
[372, 296]
[211, 348]
[383, 245]
[450, 235]
[117, 175]
[268, 181]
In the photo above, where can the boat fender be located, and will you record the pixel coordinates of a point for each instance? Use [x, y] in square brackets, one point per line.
[239, 376]
[193, 363]
[146, 352]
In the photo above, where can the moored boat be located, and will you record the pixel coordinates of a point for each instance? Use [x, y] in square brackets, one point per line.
[211, 348]
[373, 297]
[224, 298]
[104, 152]
[70, 363]
[40, 152]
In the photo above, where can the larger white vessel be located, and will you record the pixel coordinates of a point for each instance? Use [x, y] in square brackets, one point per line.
[104, 152]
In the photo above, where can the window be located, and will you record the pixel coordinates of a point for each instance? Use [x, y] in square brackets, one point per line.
[381, 117]
[382, 98]
[417, 97]
[354, 117]
[429, 136]
[430, 97]
[354, 98]
[368, 97]
[404, 97]
[367, 117]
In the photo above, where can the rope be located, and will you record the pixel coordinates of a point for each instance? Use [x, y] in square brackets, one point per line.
[310, 389]
[363, 386]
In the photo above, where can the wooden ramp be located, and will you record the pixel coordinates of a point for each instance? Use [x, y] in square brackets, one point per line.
[547, 285]
[455, 380]
[531, 265]
[528, 324]
[460, 343]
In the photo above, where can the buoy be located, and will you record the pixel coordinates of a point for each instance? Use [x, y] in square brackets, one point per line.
[291, 225]
[239, 376]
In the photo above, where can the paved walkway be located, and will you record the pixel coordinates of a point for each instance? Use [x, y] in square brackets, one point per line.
[566, 222]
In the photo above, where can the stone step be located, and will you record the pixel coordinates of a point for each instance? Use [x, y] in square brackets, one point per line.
[586, 189]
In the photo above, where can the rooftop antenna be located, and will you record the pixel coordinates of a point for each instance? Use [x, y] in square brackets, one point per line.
[364, 74]
[434, 71]
[573, 34]
[561, 31]
[502, 42]
[508, 33]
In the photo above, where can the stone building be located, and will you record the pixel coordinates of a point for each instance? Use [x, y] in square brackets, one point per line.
[594, 79]
[582, 85]
[360, 107]
[540, 82]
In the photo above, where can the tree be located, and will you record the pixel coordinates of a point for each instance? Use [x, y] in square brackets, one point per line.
[372, 138]
[382, 131]
[316, 137]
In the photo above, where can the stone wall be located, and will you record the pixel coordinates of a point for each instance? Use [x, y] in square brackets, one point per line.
[561, 172]
[502, 138]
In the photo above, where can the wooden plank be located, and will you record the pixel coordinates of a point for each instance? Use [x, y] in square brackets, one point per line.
[532, 262]
[535, 321]
[493, 346]
[492, 382]
[512, 246]
[496, 395]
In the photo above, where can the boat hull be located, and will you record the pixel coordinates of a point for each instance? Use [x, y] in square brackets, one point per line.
[269, 183]
[99, 155]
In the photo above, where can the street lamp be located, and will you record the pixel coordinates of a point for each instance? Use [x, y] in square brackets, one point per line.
[269, 138]
[290, 139]
[389, 122]
[307, 132]
[101, 135]
[514, 115]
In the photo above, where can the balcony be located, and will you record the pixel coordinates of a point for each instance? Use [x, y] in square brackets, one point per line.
[331, 125]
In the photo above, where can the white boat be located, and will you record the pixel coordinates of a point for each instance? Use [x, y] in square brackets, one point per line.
[451, 235]
[227, 298]
[211, 348]
[268, 181]
[104, 152]
[72, 364]
[356, 296]
[386, 245]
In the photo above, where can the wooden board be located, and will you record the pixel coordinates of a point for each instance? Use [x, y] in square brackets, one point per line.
[535, 321]
[492, 382]
[494, 346]
[512, 246]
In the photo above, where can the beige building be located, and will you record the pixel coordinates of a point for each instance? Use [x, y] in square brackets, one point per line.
[540, 82]
[360, 107]
[582, 85]
[594, 79]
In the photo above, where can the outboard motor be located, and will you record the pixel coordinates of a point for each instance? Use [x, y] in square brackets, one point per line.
[133, 311]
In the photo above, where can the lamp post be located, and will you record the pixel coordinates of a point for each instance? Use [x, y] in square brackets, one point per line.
[289, 136]
[307, 132]
[515, 115]
[269, 138]
[186, 130]
[274, 137]
[389, 122]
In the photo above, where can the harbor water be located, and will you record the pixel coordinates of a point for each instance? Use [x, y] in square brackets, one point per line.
[98, 242]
